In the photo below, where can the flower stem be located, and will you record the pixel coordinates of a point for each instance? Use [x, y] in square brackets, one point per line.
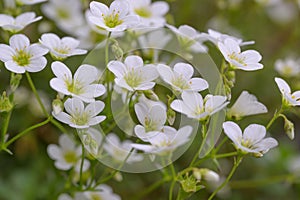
[26, 131]
[204, 134]
[36, 94]
[5, 127]
[81, 166]
[151, 188]
[275, 116]
[235, 166]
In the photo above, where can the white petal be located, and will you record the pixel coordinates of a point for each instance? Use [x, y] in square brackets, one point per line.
[98, 8]
[254, 133]
[86, 74]
[193, 100]
[145, 86]
[214, 104]
[94, 108]
[143, 147]
[133, 62]
[72, 43]
[198, 84]
[36, 50]
[54, 151]
[19, 41]
[141, 111]
[158, 115]
[59, 85]
[165, 72]
[50, 40]
[232, 45]
[251, 56]
[74, 106]
[122, 7]
[14, 67]
[159, 8]
[96, 120]
[61, 71]
[266, 144]
[63, 117]
[66, 142]
[187, 31]
[179, 106]
[117, 68]
[93, 90]
[149, 73]
[233, 131]
[6, 19]
[185, 69]
[6, 53]
[282, 85]
[37, 64]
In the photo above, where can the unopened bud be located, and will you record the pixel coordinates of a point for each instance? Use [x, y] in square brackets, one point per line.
[151, 95]
[57, 106]
[197, 174]
[117, 51]
[171, 115]
[209, 175]
[289, 128]
[15, 81]
[5, 104]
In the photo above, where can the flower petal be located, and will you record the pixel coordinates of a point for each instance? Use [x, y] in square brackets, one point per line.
[185, 69]
[61, 71]
[19, 42]
[254, 133]
[233, 131]
[283, 86]
[86, 74]
[133, 62]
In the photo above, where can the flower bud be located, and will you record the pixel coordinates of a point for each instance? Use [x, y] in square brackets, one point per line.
[57, 106]
[197, 174]
[171, 115]
[151, 95]
[15, 81]
[5, 104]
[209, 175]
[289, 128]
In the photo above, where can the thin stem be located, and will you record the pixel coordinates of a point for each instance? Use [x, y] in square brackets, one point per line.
[5, 127]
[58, 125]
[26, 131]
[151, 188]
[204, 134]
[275, 116]
[81, 166]
[171, 189]
[36, 94]
[225, 155]
[235, 166]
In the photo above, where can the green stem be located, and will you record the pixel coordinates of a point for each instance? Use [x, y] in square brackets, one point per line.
[151, 188]
[225, 155]
[81, 166]
[204, 134]
[36, 94]
[26, 131]
[58, 125]
[5, 127]
[275, 116]
[171, 189]
[235, 166]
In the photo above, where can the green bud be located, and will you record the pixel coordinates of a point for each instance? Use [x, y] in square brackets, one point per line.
[57, 106]
[15, 81]
[289, 128]
[117, 51]
[5, 104]
[151, 95]
[189, 184]
[171, 115]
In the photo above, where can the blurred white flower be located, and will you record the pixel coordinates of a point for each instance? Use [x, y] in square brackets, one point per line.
[152, 118]
[245, 105]
[193, 105]
[62, 48]
[67, 14]
[20, 56]
[101, 192]
[288, 67]
[189, 38]
[133, 74]
[206, 174]
[17, 24]
[180, 78]
[120, 151]
[247, 60]
[151, 14]
[79, 116]
[67, 154]
[29, 2]
[252, 140]
[167, 141]
[81, 85]
[215, 37]
[116, 18]
[92, 140]
[289, 98]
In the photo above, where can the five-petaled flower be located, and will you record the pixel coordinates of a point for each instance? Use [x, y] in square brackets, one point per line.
[81, 85]
[180, 78]
[116, 18]
[133, 74]
[81, 117]
[252, 140]
[247, 60]
[20, 56]
[61, 48]
[289, 98]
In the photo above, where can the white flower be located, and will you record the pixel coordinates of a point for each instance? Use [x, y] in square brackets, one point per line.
[245, 105]
[167, 141]
[247, 60]
[152, 118]
[132, 74]
[119, 151]
[64, 197]
[151, 14]
[252, 140]
[291, 99]
[92, 140]
[20, 56]
[113, 19]
[188, 37]
[15, 25]
[180, 78]
[67, 14]
[79, 116]
[193, 105]
[81, 85]
[61, 48]
[67, 154]
[29, 2]
[216, 37]
[288, 67]
[101, 192]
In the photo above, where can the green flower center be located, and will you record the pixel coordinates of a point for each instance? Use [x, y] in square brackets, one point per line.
[62, 14]
[64, 50]
[95, 197]
[74, 87]
[149, 125]
[112, 20]
[143, 12]
[22, 58]
[80, 119]
[237, 58]
[247, 143]
[70, 157]
[181, 83]
[133, 79]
